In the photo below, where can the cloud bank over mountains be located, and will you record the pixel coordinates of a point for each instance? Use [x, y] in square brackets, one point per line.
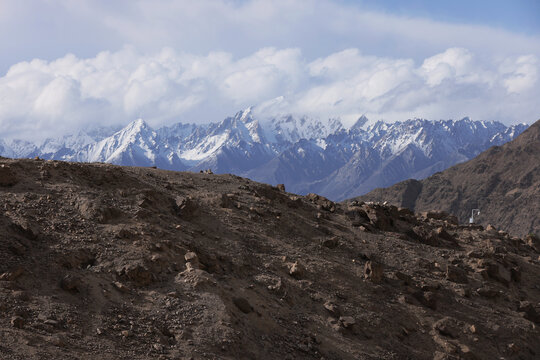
[169, 86]
[107, 63]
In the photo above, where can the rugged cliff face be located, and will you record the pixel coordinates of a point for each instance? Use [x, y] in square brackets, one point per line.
[100, 261]
[503, 182]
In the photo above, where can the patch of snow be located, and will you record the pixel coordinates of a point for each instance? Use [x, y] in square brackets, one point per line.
[205, 149]
[321, 143]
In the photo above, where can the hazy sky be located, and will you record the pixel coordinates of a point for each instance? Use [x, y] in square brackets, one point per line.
[68, 64]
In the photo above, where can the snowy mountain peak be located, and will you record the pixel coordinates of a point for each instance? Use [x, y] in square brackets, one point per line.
[290, 129]
[136, 126]
[245, 115]
[306, 154]
[135, 144]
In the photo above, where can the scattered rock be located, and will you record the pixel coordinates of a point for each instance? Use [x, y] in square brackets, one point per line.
[466, 352]
[294, 202]
[423, 235]
[187, 207]
[12, 275]
[277, 286]
[17, 322]
[52, 323]
[529, 311]
[296, 270]
[439, 215]
[281, 187]
[379, 218]
[357, 216]
[121, 287]
[332, 308]
[219, 285]
[192, 261]
[347, 321]
[488, 292]
[323, 202]
[476, 254]
[138, 273]
[406, 212]
[159, 348]
[373, 271]
[443, 234]
[514, 349]
[447, 327]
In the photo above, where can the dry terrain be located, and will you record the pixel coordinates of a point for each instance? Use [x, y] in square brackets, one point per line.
[106, 262]
[503, 182]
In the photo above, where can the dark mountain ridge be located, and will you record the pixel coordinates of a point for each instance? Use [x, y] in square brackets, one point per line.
[503, 182]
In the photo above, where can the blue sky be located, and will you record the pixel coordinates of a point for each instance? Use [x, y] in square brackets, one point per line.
[515, 15]
[68, 65]
[50, 29]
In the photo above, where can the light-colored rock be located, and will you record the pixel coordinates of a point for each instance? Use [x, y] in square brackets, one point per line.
[296, 269]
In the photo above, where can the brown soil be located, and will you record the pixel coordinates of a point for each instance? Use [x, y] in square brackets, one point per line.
[503, 182]
[105, 262]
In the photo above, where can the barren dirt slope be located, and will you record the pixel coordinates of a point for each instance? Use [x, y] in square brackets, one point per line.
[105, 262]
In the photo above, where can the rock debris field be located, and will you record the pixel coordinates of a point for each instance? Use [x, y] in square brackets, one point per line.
[105, 262]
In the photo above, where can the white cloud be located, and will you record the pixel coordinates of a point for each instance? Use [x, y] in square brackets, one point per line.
[203, 60]
[454, 63]
[451, 84]
[266, 74]
[50, 29]
[521, 74]
[40, 98]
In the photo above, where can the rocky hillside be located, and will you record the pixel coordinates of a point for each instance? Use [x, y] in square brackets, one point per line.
[503, 182]
[105, 262]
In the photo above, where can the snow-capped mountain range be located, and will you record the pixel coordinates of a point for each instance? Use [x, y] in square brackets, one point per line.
[306, 155]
